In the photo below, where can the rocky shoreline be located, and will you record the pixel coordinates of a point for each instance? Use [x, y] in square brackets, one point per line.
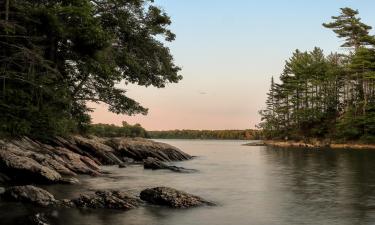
[27, 163]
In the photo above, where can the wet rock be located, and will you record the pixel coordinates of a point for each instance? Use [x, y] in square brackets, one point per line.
[29, 194]
[24, 161]
[172, 198]
[38, 219]
[77, 163]
[106, 199]
[26, 168]
[69, 180]
[140, 149]
[65, 203]
[155, 164]
[96, 148]
[4, 178]
[122, 165]
[258, 143]
[128, 160]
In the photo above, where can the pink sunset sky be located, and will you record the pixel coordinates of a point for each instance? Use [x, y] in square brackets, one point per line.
[228, 53]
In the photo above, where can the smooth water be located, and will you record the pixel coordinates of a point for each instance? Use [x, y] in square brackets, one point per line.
[251, 185]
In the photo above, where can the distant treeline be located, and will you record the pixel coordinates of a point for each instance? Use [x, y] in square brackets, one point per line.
[136, 130]
[206, 134]
[111, 130]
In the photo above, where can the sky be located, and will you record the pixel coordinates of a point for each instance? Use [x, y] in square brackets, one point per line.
[228, 52]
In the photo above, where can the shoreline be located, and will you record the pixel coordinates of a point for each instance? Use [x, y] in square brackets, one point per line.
[318, 145]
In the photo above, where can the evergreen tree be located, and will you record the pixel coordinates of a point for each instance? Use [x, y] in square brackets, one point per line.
[327, 96]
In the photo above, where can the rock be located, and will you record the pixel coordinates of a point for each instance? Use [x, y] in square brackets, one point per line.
[140, 149]
[122, 165]
[24, 161]
[69, 180]
[77, 163]
[106, 199]
[172, 198]
[65, 203]
[258, 143]
[155, 164]
[2, 190]
[38, 219]
[4, 178]
[102, 152]
[29, 194]
[26, 168]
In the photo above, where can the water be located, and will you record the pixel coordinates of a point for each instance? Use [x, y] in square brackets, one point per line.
[251, 185]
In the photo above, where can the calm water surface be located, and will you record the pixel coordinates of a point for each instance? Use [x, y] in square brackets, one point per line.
[251, 185]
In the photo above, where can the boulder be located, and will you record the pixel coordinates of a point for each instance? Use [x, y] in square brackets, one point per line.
[26, 168]
[29, 194]
[106, 199]
[171, 197]
[95, 147]
[140, 149]
[156, 164]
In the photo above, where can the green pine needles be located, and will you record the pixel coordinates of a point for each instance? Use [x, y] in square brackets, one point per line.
[326, 97]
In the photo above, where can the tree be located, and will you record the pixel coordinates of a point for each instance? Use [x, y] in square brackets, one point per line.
[327, 96]
[57, 55]
[348, 26]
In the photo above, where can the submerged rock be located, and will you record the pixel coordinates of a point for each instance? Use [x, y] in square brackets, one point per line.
[172, 198]
[98, 200]
[257, 143]
[156, 164]
[106, 199]
[38, 219]
[29, 194]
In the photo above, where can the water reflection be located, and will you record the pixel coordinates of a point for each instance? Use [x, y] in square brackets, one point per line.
[252, 185]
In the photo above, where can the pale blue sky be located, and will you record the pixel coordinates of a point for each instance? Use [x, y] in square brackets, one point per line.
[228, 51]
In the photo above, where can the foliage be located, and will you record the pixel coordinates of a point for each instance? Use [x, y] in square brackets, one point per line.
[110, 130]
[57, 55]
[206, 134]
[323, 96]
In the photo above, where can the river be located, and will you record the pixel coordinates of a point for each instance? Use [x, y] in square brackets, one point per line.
[250, 185]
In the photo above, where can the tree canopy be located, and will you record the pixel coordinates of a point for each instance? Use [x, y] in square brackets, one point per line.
[326, 96]
[55, 56]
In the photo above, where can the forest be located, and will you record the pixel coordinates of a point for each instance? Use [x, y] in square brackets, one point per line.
[111, 130]
[56, 56]
[329, 97]
[136, 130]
[207, 134]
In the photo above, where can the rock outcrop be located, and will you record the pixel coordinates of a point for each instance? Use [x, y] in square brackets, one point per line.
[37, 219]
[26, 168]
[24, 161]
[140, 149]
[98, 200]
[106, 199]
[156, 164]
[171, 197]
[29, 194]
